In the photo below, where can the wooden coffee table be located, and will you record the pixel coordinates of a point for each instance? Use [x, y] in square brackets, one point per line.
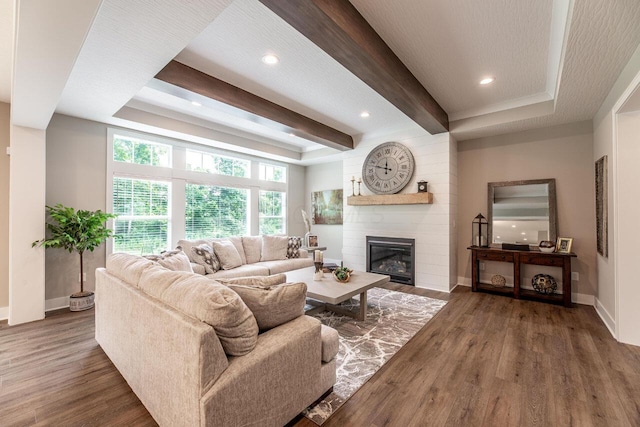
[330, 293]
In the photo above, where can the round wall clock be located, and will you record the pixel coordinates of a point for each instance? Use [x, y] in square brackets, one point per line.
[388, 168]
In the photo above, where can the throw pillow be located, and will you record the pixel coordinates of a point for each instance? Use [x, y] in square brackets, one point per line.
[274, 248]
[204, 256]
[255, 281]
[175, 260]
[227, 254]
[273, 306]
[252, 248]
[186, 246]
[216, 305]
[293, 248]
[237, 242]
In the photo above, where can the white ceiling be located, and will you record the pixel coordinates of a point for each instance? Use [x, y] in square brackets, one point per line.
[554, 62]
[6, 49]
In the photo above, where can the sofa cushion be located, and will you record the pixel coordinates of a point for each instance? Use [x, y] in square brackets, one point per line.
[129, 268]
[203, 255]
[275, 305]
[175, 260]
[198, 269]
[283, 266]
[242, 271]
[293, 247]
[252, 248]
[274, 248]
[256, 281]
[237, 243]
[227, 253]
[330, 343]
[214, 304]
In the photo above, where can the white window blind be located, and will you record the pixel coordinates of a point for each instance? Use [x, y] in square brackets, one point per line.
[142, 206]
[272, 213]
[213, 211]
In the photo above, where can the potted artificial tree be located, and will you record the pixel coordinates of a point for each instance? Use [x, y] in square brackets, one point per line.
[76, 231]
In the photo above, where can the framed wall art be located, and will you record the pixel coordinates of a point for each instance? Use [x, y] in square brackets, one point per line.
[327, 206]
[601, 207]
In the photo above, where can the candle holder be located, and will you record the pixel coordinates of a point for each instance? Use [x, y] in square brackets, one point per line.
[359, 182]
[353, 193]
[319, 274]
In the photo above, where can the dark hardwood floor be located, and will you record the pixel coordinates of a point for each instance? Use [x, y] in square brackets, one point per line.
[483, 360]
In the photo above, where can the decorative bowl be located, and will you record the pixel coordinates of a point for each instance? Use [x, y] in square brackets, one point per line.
[498, 281]
[342, 274]
[547, 246]
[544, 284]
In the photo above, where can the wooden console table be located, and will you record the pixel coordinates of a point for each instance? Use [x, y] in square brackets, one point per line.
[518, 258]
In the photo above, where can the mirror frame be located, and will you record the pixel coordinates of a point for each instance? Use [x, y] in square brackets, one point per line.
[553, 208]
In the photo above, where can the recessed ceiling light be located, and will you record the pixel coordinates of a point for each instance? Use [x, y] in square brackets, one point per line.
[196, 103]
[270, 59]
[365, 114]
[524, 238]
[513, 226]
[292, 134]
[487, 80]
[523, 233]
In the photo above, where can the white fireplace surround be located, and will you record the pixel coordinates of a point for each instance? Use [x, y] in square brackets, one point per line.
[432, 226]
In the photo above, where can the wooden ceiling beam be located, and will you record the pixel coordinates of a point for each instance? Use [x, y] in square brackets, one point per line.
[337, 27]
[190, 79]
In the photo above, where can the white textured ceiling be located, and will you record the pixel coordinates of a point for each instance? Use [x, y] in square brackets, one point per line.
[554, 62]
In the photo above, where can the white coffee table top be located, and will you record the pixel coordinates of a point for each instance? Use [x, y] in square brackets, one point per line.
[332, 292]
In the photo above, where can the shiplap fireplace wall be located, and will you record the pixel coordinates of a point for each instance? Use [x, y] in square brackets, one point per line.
[432, 226]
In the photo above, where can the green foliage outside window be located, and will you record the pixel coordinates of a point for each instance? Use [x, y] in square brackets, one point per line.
[215, 211]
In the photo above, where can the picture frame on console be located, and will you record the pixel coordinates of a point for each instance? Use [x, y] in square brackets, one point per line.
[313, 240]
[563, 246]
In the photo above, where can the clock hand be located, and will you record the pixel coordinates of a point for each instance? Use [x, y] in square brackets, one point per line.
[386, 165]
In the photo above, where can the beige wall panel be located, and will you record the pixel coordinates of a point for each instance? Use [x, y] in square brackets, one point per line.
[76, 177]
[562, 152]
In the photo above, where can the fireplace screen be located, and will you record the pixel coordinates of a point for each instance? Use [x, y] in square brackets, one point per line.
[392, 256]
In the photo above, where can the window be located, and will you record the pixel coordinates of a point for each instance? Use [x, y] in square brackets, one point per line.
[142, 207]
[132, 150]
[215, 211]
[213, 163]
[272, 212]
[273, 173]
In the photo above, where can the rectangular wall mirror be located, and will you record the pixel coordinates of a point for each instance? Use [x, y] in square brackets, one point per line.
[522, 212]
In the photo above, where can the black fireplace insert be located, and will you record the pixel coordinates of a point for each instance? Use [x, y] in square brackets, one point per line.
[392, 256]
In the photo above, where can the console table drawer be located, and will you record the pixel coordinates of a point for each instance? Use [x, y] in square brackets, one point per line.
[495, 256]
[538, 259]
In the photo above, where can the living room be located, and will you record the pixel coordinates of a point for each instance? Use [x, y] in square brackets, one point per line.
[59, 155]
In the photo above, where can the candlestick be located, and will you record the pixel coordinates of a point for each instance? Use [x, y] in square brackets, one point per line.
[359, 182]
[352, 187]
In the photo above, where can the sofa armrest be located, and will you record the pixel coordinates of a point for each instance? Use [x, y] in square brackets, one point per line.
[273, 383]
[303, 253]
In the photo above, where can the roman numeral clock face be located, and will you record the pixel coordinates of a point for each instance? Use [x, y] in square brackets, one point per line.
[388, 168]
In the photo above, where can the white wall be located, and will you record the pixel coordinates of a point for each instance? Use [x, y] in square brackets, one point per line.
[432, 226]
[603, 144]
[628, 212]
[327, 176]
[26, 224]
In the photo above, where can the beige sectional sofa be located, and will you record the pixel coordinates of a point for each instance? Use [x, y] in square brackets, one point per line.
[193, 352]
[259, 256]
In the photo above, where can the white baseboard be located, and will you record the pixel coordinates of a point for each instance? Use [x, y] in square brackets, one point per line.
[56, 303]
[4, 313]
[583, 299]
[607, 319]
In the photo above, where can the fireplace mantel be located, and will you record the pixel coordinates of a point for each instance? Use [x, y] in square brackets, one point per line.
[391, 199]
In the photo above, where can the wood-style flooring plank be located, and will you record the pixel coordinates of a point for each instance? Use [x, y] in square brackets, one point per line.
[483, 360]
